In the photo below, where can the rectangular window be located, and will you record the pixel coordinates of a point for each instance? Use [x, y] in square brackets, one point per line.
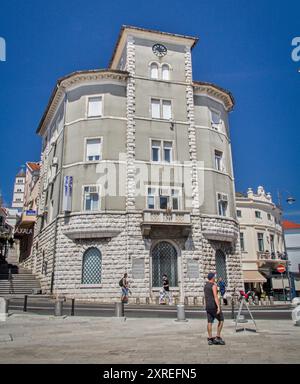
[161, 109]
[163, 202]
[272, 244]
[155, 150]
[91, 198]
[219, 160]
[94, 106]
[175, 199]
[258, 214]
[167, 151]
[155, 108]
[239, 213]
[260, 239]
[166, 109]
[222, 204]
[215, 120]
[151, 198]
[269, 217]
[242, 242]
[93, 149]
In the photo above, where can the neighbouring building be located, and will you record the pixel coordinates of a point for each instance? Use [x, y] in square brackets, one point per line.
[137, 177]
[24, 228]
[262, 243]
[19, 188]
[5, 234]
[292, 242]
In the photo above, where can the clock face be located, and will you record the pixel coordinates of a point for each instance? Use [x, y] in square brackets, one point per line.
[159, 50]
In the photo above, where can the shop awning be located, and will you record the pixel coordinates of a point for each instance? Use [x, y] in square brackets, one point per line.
[253, 277]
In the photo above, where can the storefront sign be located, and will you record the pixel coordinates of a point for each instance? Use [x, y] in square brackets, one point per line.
[23, 231]
[30, 212]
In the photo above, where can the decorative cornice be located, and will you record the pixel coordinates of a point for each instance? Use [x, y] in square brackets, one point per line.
[74, 79]
[215, 91]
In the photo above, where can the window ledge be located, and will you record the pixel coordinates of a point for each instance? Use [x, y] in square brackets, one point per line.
[90, 286]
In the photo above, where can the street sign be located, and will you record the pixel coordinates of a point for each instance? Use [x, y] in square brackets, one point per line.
[281, 268]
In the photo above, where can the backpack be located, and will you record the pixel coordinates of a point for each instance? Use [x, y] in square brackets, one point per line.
[121, 282]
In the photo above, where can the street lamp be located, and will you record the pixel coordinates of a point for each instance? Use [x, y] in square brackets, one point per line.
[290, 200]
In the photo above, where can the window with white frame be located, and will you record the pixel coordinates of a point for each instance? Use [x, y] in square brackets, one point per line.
[154, 71]
[161, 109]
[162, 151]
[242, 241]
[260, 240]
[91, 198]
[155, 108]
[94, 106]
[219, 160]
[258, 214]
[164, 198]
[93, 149]
[165, 72]
[222, 204]
[216, 120]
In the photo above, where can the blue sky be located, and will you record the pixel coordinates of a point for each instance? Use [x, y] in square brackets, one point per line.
[245, 46]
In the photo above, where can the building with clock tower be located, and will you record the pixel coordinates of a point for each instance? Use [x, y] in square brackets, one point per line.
[137, 177]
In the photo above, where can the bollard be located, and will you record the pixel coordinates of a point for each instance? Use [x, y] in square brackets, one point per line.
[181, 313]
[25, 303]
[256, 300]
[232, 309]
[271, 300]
[73, 307]
[58, 310]
[4, 304]
[119, 309]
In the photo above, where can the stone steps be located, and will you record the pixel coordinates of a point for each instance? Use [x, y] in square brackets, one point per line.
[24, 283]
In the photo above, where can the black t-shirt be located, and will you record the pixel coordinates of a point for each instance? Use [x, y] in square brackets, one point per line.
[209, 296]
[166, 284]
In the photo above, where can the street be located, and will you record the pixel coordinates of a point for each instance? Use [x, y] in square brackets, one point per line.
[46, 307]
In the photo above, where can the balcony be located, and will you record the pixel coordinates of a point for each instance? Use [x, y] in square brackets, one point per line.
[271, 257]
[219, 229]
[179, 220]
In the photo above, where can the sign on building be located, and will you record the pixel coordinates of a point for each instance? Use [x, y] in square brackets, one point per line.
[67, 197]
[193, 269]
[138, 268]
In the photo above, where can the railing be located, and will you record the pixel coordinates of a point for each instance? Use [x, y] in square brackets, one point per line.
[276, 256]
[167, 217]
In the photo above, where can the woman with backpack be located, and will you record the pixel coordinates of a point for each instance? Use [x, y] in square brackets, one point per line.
[124, 284]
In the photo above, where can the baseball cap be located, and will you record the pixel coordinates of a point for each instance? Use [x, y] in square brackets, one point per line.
[210, 275]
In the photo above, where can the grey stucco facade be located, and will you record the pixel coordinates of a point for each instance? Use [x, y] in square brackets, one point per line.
[124, 228]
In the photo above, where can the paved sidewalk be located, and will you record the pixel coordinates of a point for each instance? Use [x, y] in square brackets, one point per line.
[27, 338]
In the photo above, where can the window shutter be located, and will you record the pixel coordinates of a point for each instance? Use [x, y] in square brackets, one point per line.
[93, 148]
[95, 106]
[155, 108]
[167, 112]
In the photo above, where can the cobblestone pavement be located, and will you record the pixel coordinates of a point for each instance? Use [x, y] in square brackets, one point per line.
[26, 338]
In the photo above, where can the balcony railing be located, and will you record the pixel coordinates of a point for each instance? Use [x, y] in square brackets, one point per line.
[271, 256]
[166, 218]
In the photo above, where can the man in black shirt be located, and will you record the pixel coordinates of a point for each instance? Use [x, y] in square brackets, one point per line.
[213, 310]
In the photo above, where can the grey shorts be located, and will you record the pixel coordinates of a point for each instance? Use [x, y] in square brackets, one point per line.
[212, 315]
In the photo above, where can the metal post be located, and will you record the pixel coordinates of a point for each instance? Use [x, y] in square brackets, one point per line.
[58, 309]
[25, 303]
[283, 288]
[181, 312]
[232, 308]
[73, 307]
[119, 309]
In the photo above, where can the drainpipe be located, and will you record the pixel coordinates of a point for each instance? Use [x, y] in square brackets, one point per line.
[59, 200]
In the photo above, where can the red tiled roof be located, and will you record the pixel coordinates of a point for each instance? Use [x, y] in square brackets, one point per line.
[290, 225]
[34, 166]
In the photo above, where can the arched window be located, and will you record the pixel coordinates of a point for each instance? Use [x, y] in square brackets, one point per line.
[164, 260]
[154, 71]
[221, 265]
[165, 72]
[91, 266]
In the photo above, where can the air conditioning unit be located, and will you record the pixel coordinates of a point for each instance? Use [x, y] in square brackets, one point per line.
[55, 161]
[222, 196]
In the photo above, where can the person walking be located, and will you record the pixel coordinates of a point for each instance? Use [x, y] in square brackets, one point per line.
[124, 284]
[222, 288]
[166, 294]
[213, 310]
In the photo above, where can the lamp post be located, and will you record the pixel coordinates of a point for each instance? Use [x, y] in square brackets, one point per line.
[290, 200]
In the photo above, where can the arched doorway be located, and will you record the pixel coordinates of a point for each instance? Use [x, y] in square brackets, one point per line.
[221, 269]
[164, 260]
